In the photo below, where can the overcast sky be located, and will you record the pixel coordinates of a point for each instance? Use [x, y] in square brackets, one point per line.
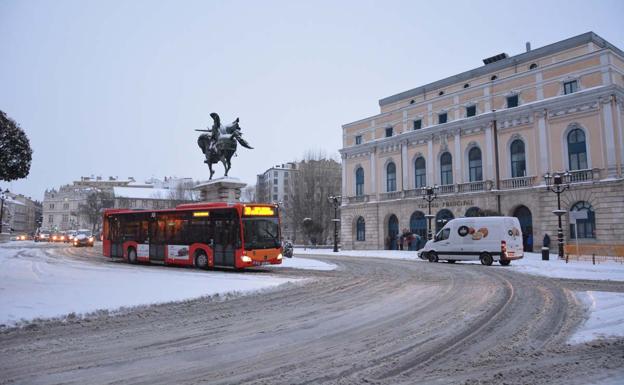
[118, 87]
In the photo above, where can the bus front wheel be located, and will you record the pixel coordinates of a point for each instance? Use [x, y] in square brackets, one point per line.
[132, 257]
[201, 260]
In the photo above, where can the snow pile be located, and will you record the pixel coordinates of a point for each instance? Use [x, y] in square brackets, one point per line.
[390, 254]
[306, 264]
[37, 282]
[606, 317]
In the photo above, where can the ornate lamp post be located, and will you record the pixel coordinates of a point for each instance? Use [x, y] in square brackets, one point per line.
[558, 183]
[429, 194]
[3, 196]
[335, 202]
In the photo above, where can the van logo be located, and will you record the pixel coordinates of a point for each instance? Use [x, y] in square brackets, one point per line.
[463, 231]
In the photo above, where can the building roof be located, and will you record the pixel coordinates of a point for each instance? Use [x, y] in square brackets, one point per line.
[142, 192]
[503, 63]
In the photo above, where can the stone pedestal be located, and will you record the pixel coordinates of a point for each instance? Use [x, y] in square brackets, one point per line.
[221, 190]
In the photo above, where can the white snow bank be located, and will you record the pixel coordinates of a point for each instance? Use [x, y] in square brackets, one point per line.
[606, 318]
[305, 263]
[531, 264]
[36, 282]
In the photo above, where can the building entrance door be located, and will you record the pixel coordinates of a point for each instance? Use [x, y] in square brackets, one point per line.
[393, 232]
[526, 225]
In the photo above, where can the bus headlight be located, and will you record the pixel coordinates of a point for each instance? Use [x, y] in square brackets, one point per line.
[279, 256]
[246, 259]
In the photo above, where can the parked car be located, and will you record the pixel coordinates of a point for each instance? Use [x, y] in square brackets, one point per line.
[487, 239]
[83, 238]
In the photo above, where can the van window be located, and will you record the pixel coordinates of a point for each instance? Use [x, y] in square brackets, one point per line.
[443, 235]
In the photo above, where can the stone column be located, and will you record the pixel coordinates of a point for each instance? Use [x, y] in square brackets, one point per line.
[489, 152]
[344, 191]
[457, 158]
[609, 135]
[404, 165]
[373, 174]
[544, 151]
[430, 163]
[620, 131]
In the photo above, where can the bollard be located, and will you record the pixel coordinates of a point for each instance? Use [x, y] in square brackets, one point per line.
[545, 253]
[594, 259]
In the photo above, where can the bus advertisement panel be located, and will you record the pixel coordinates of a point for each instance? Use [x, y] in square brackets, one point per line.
[205, 235]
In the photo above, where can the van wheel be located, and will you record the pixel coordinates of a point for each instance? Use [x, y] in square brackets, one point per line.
[504, 262]
[451, 261]
[486, 259]
[132, 257]
[201, 260]
[432, 256]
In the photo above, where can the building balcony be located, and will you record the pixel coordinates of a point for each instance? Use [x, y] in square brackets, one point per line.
[519, 182]
[446, 189]
[390, 195]
[473, 186]
[588, 175]
[357, 199]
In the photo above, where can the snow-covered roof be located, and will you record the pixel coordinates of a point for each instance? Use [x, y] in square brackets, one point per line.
[141, 192]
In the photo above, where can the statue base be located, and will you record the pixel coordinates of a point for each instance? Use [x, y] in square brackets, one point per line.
[225, 189]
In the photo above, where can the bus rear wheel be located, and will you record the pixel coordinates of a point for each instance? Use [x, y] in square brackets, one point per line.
[132, 257]
[201, 260]
[486, 259]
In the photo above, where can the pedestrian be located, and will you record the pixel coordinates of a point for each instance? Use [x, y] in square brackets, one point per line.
[546, 242]
[530, 243]
[401, 241]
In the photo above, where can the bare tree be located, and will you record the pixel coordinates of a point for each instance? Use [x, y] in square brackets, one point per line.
[183, 192]
[317, 177]
[248, 194]
[92, 209]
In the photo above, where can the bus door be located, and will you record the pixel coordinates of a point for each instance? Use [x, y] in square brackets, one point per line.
[156, 238]
[225, 238]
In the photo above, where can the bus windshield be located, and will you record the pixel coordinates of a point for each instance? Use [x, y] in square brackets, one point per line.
[261, 233]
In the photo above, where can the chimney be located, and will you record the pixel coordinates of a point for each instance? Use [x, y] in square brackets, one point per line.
[528, 46]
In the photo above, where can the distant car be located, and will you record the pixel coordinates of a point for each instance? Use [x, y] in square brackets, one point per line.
[58, 237]
[43, 236]
[83, 238]
[23, 237]
[69, 236]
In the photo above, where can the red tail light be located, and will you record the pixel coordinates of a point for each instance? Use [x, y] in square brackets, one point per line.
[504, 248]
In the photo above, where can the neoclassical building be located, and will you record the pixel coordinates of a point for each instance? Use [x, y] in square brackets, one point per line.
[486, 138]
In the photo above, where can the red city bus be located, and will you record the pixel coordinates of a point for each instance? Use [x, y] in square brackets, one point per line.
[205, 235]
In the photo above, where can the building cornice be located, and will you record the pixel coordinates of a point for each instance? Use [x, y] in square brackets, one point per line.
[576, 41]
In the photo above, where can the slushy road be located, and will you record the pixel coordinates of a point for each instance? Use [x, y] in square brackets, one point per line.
[377, 321]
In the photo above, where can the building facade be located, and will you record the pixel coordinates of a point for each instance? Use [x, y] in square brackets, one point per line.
[61, 208]
[19, 214]
[275, 185]
[486, 138]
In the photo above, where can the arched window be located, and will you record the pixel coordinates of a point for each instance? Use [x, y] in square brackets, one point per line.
[475, 165]
[446, 169]
[391, 177]
[442, 217]
[577, 150]
[421, 172]
[518, 159]
[418, 225]
[393, 233]
[586, 227]
[360, 230]
[359, 181]
[473, 212]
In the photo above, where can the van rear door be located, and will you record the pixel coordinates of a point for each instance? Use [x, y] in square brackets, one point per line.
[513, 237]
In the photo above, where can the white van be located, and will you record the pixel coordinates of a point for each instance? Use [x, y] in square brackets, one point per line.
[487, 239]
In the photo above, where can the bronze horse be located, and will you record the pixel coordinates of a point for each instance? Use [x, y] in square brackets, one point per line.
[219, 144]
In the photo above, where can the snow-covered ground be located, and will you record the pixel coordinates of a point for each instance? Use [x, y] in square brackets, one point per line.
[531, 264]
[40, 282]
[606, 318]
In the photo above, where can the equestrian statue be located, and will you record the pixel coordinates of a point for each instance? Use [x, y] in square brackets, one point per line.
[219, 143]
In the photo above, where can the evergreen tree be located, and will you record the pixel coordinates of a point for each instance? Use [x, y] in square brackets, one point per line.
[15, 151]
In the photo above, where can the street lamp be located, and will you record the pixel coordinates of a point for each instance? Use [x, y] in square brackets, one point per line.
[335, 202]
[558, 183]
[3, 196]
[429, 194]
